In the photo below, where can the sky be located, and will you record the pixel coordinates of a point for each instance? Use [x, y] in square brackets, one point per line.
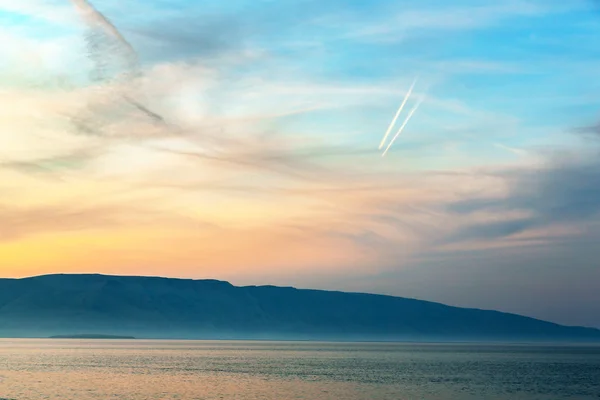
[239, 141]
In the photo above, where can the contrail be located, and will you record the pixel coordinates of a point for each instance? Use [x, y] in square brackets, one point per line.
[410, 114]
[95, 17]
[398, 113]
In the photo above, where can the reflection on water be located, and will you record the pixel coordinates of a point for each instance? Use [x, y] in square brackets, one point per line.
[95, 369]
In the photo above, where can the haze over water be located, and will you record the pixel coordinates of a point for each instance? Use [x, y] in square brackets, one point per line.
[102, 369]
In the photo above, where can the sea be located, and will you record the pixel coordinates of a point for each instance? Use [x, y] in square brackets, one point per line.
[144, 369]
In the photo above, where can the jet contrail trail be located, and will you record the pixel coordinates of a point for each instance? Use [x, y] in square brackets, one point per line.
[398, 113]
[95, 17]
[410, 114]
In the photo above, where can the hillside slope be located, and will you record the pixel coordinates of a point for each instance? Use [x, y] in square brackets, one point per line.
[178, 308]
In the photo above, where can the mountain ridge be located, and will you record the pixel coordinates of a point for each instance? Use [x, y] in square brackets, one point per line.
[161, 307]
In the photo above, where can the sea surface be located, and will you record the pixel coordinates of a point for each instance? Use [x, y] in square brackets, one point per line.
[138, 369]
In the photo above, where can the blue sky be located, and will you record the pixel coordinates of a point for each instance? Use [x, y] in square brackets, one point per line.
[487, 199]
[524, 63]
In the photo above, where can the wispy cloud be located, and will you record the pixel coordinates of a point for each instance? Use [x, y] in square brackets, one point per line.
[406, 22]
[565, 191]
[514, 150]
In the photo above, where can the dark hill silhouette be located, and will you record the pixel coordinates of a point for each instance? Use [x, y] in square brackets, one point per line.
[147, 307]
[91, 336]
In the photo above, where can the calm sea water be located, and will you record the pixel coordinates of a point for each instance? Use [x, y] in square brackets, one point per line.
[95, 369]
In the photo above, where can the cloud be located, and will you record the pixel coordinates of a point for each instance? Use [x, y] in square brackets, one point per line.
[250, 134]
[17, 222]
[191, 115]
[53, 11]
[53, 166]
[404, 22]
[182, 37]
[590, 132]
[563, 191]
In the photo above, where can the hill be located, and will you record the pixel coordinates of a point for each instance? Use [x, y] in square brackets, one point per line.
[91, 336]
[148, 307]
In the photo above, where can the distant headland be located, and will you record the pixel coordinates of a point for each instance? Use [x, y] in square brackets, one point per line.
[90, 336]
[124, 307]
